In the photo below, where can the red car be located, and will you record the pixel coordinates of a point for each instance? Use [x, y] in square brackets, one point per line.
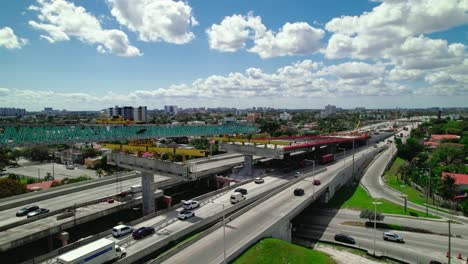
[317, 182]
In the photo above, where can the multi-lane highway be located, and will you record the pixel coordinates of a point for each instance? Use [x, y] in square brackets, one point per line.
[418, 247]
[253, 223]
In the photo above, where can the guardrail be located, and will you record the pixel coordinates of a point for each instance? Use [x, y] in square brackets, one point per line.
[233, 216]
[46, 258]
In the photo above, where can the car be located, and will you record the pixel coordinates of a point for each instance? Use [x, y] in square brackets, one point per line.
[70, 167]
[241, 190]
[298, 174]
[190, 204]
[237, 197]
[435, 262]
[26, 210]
[38, 212]
[142, 232]
[121, 230]
[317, 182]
[298, 192]
[345, 239]
[389, 236]
[259, 180]
[185, 214]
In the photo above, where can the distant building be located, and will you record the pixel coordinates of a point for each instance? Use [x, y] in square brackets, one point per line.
[461, 180]
[196, 123]
[229, 120]
[251, 117]
[285, 116]
[329, 110]
[12, 111]
[128, 112]
[171, 109]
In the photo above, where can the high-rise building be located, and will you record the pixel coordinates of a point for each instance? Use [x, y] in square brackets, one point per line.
[12, 111]
[285, 116]
[128, 112]
[171, 109]
[329, 110]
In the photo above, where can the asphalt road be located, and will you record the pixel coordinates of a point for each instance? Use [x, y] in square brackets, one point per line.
[254, 222]
[418, 247]
[372, 181]
[60, 202]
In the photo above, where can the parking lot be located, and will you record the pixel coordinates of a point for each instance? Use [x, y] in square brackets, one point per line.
[40, 170]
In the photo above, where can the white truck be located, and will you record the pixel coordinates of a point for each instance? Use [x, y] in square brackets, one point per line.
[101, 251]
[135, 188]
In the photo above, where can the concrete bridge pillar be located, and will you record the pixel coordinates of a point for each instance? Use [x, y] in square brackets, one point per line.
[147, 185]
[62, 236]
[283, 230]
[333, 149]
[168, 200]
[248, 160]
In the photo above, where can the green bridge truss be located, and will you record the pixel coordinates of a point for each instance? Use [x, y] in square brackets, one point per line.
[25, 135]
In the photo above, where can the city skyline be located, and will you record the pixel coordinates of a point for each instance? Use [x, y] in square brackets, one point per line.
[373, 54]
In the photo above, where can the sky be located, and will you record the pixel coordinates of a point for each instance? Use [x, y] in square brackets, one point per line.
[94, 54]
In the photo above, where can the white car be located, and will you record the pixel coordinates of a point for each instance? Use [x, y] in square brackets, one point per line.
[190, 204]
[259, 180]
[298, 174]
[185, 214]
[121, 230]
[389, 236]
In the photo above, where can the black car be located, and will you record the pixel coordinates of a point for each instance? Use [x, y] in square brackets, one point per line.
[38, 212]
[25, 210]
[435, 262]
[241, 190]
[298, 192]
[142, 232]
[345, 239]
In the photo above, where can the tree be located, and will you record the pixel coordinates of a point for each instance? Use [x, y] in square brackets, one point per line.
[100, 172]
[447, 154]
[409, 150]
[9, 187]
[448, 188]
[38, 153]
[90, 153]
[369, 214]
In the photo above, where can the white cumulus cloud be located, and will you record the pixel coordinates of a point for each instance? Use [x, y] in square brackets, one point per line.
[9, 40]
[61, 20]
[156, 20]
[292, 39]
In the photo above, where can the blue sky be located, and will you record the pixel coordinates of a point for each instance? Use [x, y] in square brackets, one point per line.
[283, 54]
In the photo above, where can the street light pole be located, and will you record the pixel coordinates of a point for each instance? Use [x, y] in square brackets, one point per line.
[313, 178]
[353, 159]
[449, 241]
[375, 222]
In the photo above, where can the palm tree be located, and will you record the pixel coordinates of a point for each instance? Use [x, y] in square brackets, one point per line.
[100, 172]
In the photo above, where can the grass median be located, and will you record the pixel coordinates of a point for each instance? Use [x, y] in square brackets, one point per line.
[275, 251]
[358, 199]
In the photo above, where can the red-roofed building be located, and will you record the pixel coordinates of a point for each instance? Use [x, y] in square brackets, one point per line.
[461, 180]
[443, 136]
[41, 185]
[431, 144]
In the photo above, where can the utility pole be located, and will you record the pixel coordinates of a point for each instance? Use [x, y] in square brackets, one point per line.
[449, 241]
[353, 161]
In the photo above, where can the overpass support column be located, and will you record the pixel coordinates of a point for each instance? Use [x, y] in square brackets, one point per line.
[147, 185]
[248, 159]
[283, 230]
[333, 149]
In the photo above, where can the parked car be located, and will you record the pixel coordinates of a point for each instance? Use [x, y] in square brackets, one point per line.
[317, 182]
[298, 174]
[345, 239]
[298, 192]
[389, 236]
[259, 180]
[185, 214]
[190, 204]
[121, 230]
[26, 210]
[38, 212]
[142, 232]
[241, 190]
[70, 167]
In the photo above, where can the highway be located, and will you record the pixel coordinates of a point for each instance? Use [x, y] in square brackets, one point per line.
[257, 220]
[372, 181]
[168, 224]
[418, 247]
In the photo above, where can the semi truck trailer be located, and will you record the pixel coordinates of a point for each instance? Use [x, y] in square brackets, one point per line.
[101, 251]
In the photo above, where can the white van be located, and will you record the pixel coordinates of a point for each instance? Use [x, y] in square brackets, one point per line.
[135, 188]
[121, 230]
[237, 197]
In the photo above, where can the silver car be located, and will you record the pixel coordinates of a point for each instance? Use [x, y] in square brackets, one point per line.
[389, 236]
